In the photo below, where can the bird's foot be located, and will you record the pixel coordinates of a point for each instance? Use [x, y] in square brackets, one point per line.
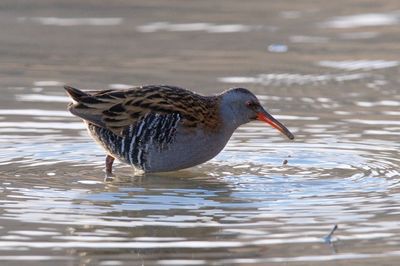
[109, 177]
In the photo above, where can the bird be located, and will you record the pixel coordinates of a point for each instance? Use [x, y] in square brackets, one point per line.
[162, 128]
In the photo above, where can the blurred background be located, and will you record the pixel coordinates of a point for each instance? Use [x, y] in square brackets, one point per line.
[328, 69]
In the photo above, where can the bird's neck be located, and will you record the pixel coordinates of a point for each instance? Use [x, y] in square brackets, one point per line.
[229, 119]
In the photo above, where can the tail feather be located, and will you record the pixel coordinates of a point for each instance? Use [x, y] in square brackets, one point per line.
[75, 94]
[83, 106]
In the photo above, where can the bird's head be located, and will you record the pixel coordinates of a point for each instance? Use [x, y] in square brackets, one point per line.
[241, 106]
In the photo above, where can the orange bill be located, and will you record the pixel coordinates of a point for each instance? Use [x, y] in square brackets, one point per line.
[266, 117]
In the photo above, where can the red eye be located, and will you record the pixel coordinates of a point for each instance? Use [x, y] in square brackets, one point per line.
[251, 104]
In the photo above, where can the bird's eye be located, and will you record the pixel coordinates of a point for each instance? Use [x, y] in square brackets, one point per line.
[251, 104]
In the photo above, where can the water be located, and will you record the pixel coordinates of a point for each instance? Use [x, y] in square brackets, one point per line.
[263, 200]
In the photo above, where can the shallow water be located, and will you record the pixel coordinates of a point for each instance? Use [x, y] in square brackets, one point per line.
[328, 72]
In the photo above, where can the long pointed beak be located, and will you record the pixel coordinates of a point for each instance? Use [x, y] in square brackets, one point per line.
[266, 117]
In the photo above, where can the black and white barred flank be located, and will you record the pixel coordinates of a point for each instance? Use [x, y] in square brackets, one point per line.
[155, 131]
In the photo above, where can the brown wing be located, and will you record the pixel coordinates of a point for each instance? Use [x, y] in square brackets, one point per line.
[118, 109]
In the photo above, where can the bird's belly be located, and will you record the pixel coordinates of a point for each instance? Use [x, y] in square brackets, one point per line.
[186, 149]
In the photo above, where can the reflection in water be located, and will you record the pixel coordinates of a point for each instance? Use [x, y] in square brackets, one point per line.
[278, 48]
[200, 26]
[308, 39]
[359, 64]
[288, 79]
[54, 21]
[48, 83]
[35, 112]
[41, 98]
[363, 20]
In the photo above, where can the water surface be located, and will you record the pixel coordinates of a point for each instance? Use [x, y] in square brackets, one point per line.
[328, 72]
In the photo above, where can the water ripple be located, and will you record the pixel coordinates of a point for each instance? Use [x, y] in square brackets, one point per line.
[288, 79]
[55, 21]
[200, 26]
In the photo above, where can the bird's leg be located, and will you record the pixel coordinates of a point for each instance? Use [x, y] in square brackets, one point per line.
[109, 163]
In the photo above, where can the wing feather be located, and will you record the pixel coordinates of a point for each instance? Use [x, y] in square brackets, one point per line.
[118, 109]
